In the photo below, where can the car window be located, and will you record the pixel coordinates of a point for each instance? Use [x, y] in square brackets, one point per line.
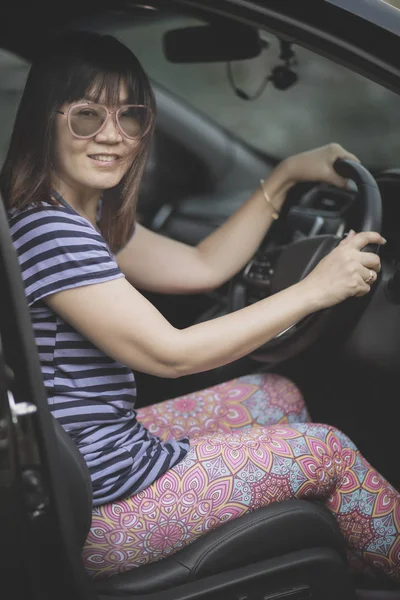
[395, 3]
[328, 103]
[13, 72]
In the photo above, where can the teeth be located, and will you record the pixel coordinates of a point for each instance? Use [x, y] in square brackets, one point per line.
[104, 157]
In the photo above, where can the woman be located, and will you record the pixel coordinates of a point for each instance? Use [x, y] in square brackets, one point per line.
[170, 472]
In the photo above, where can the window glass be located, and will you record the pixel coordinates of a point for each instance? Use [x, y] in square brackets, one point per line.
[395, 3]
[328, 103]
[13, 72]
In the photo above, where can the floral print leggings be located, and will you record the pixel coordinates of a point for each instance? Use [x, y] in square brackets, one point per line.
[251, 444]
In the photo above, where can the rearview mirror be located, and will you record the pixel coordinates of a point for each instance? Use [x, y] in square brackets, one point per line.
[212, 43]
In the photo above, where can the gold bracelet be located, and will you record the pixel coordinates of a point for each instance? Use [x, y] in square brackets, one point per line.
[275, 212]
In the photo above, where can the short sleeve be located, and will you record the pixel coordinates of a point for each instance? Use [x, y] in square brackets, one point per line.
[59, 250]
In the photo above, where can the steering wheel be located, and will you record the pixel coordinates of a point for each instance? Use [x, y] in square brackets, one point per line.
[277, 268]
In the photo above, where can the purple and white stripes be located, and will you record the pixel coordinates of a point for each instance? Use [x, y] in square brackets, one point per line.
[91, 395]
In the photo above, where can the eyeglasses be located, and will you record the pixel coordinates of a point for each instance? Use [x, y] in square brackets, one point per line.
[87, 120]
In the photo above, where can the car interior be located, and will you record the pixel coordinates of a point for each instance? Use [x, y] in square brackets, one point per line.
[228, 113]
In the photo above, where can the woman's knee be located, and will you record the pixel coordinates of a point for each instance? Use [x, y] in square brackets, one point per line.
[325, 433]
[344, 439]
[276, 398]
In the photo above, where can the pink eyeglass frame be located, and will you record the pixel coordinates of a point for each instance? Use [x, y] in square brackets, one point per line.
[109, 113]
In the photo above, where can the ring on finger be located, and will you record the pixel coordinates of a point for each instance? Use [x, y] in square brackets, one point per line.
[371, 276]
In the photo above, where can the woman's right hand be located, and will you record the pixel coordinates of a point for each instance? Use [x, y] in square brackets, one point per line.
[346, 271]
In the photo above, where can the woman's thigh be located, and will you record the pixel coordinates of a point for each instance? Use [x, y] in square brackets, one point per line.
[261, 399]
[226, 475]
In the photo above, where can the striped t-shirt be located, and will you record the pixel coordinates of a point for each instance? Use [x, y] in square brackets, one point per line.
[91, 395]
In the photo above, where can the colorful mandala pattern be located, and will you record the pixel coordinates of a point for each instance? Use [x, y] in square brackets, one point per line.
[250, 446]
[237, 404]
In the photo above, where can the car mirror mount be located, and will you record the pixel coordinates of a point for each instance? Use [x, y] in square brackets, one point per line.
[282, 76]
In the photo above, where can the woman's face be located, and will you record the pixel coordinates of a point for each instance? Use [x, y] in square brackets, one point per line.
[97, 163]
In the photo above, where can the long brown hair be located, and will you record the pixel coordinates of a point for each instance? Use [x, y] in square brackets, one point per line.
[76, 63]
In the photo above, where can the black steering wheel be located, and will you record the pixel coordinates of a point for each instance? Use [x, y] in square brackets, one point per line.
[280, 267]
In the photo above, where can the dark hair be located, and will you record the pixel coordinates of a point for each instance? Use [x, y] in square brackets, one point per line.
[75, 63]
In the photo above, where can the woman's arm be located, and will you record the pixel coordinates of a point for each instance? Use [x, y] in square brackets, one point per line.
[156, 263]
[153, 262]
[125, 326]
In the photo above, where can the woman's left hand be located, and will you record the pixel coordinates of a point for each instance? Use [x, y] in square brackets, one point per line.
[317, 165]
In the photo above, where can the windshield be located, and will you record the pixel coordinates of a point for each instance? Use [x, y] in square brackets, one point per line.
[326, 103]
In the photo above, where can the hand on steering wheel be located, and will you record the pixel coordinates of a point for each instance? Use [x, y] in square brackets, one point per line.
[346, 271]
[339, 269]
[318, 165]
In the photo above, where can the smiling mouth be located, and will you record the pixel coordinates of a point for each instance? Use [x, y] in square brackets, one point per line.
[106, 159]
